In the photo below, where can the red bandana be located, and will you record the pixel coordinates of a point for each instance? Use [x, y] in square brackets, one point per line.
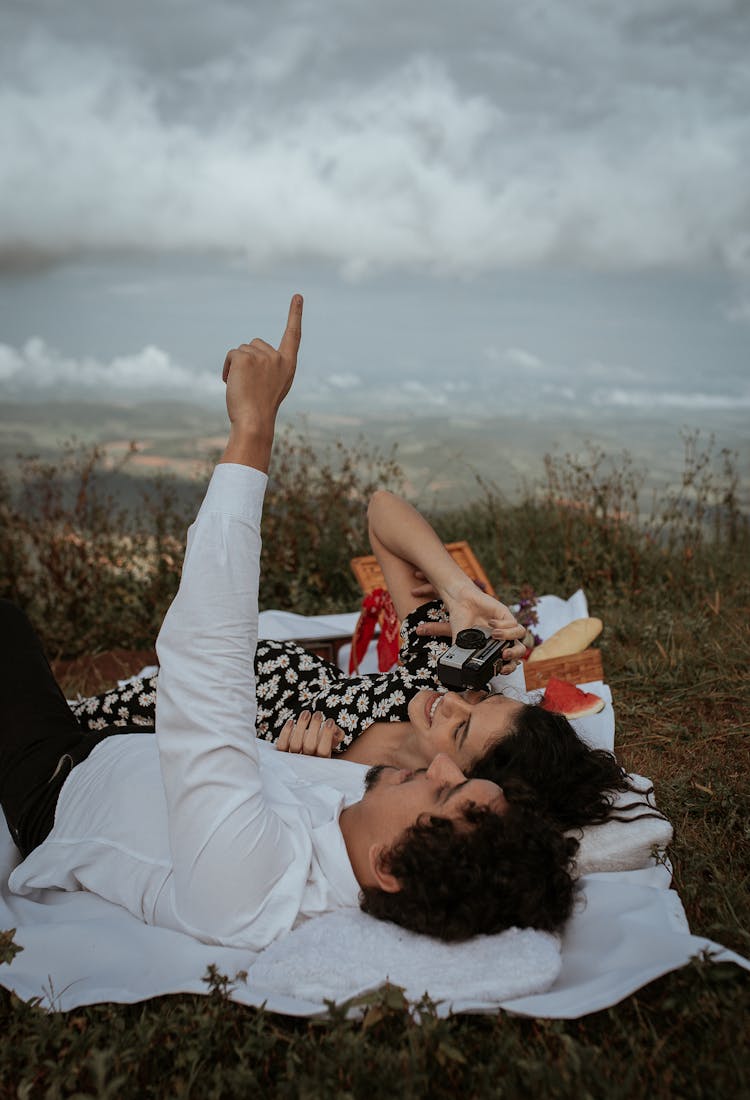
[377, 607]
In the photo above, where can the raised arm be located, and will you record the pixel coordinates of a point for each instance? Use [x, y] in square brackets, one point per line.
[408, 551]
[229, 848]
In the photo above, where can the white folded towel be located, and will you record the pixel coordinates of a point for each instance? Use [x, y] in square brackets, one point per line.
[346, 953]
[628, 844]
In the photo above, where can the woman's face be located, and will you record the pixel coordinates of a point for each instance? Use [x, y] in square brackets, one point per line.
[461, 725]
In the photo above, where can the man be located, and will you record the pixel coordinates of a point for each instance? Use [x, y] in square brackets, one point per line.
[206, 830]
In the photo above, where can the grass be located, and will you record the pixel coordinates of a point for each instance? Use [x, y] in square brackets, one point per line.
[673, 588]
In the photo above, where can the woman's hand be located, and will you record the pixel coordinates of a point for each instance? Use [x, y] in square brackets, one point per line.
[424, 591]
[472, 607]
[310, 735]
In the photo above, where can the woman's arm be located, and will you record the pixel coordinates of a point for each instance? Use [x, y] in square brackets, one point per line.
[408, 550]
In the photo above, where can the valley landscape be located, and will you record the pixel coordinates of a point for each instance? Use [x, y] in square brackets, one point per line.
[441, 457]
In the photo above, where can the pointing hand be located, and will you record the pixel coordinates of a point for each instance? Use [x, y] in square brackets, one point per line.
[258, 377]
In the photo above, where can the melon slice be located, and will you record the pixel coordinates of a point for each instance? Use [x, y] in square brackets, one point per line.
[569, 700]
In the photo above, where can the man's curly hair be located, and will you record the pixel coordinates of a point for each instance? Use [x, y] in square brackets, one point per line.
[479, 874]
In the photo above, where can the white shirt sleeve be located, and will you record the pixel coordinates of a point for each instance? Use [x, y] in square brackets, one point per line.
[237, 862]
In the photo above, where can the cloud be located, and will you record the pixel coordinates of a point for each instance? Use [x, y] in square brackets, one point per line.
[516, 358]
[556, 393]
[596, 369]
[645, 399]
[519, 357]
[37, 367]
[423, 395]
[343, 381]
[276, 136]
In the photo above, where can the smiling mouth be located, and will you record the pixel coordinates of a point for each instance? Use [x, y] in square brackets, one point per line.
[431, 704]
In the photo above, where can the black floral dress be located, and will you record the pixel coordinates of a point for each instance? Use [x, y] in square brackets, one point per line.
[289, 680]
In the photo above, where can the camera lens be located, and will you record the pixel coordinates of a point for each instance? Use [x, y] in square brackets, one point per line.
[471, 639]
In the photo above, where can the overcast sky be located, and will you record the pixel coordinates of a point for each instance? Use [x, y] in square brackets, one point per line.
[488, 204]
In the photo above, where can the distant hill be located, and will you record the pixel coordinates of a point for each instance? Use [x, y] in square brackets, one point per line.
[441, 456]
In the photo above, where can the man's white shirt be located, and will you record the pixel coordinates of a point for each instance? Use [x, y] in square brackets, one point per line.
[203, 828]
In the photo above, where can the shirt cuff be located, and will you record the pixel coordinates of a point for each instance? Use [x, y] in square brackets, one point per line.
[236, 490]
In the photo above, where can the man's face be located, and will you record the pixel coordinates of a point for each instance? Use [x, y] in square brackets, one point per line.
[461, 725]
[396, 798]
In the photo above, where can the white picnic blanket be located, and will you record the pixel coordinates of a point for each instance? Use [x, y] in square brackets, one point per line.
[629, 927]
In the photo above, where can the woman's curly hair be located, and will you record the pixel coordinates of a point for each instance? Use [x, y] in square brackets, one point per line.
[477, 875]
[544, 763]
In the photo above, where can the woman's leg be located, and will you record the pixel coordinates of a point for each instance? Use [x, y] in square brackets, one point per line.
[40, 739]
[288, 681]
[131, 706]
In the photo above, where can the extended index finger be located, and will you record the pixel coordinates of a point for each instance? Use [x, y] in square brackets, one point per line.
[290, 341]
[434, 630]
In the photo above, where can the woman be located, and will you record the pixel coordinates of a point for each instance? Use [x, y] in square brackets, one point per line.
[405, 717]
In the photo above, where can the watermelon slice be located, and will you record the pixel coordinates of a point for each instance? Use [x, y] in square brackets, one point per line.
[569, 700]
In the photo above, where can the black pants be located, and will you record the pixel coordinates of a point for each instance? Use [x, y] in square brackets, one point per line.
[40, 738]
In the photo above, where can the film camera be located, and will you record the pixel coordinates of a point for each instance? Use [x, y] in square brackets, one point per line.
[473, 659]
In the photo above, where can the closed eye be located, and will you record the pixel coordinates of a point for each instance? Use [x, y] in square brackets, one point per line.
[447, 791]
[461, 733]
